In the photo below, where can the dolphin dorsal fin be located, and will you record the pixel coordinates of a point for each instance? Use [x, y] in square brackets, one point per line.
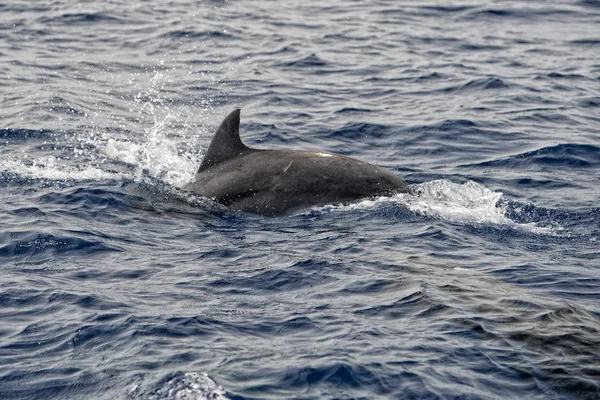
[226, 143]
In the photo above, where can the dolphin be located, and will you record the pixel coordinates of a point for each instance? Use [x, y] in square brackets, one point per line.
[281, 182]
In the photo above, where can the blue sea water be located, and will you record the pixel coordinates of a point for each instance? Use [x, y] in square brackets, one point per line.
[117, 284]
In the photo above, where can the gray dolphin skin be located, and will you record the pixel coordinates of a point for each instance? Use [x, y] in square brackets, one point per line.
[280, 182]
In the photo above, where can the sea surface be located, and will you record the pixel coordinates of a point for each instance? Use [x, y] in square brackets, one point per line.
[115, 283]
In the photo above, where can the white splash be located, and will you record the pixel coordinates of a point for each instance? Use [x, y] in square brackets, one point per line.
[50, 168]
[157, 155]
[466, 202]
[469, 203]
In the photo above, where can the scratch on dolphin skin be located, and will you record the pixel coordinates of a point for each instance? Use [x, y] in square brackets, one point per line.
[288, 166]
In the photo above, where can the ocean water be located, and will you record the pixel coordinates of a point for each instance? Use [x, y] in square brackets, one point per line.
[483, 284]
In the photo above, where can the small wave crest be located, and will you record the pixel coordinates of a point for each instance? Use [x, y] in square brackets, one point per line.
[180, 385]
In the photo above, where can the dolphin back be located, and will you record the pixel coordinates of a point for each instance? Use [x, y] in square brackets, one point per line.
[280, 182]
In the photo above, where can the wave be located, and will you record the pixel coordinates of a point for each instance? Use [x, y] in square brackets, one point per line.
[566, 155]
[40, 247]
[82, 18]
